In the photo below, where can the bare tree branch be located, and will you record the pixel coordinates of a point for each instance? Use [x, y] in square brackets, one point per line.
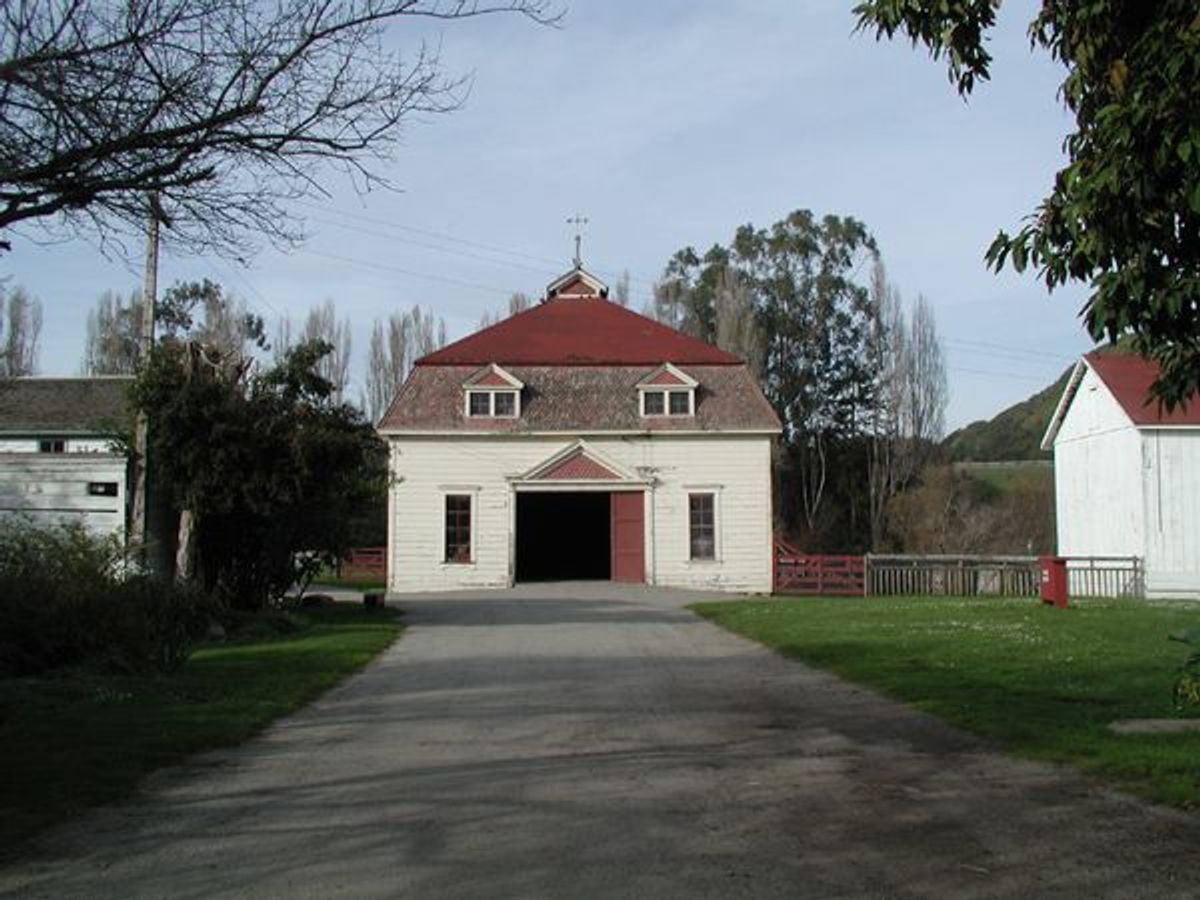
[228, 109]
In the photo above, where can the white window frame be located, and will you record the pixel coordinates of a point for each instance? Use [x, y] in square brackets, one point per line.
[472, 495]
[666, 391]
[491, 393]
[715, 490]
[516, 395]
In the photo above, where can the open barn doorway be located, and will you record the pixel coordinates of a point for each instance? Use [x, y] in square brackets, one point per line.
[563, 536]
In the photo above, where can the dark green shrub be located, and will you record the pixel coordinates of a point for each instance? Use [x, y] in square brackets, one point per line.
[1187, 685]
[66, 599]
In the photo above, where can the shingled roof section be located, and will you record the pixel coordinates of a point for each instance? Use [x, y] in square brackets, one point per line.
[1129, 377]
[93, 405]
[578, 332]
[587, 398]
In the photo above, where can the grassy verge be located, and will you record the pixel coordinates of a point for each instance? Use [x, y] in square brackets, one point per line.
[1043, 683]
[328, 578]
[80, 739]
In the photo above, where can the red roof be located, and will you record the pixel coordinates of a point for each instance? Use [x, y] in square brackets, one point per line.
[578, 332]
[1128, 378]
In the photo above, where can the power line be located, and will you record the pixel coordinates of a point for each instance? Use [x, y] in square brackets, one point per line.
[428, 233]
[1011, 350]
[466, 242]
[989, 374]
[254, 290]
[464, 253]
[390, 268]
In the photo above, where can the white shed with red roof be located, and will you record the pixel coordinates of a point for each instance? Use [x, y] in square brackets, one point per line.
[1127, 473]
[579, 440]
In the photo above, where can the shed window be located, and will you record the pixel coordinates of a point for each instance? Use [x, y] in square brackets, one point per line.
[679, 403]
[57, 445]
[458, 528]
[702, 526]
[479, 403]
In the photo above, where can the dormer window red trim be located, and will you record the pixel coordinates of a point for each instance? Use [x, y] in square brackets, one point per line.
[667, 391]
[492, 393]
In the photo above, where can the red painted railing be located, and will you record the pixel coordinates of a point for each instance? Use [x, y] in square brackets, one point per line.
[818, 575]
[365, 562]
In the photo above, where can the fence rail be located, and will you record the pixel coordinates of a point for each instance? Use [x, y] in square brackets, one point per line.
[365, 562]
[819, 575]
[1105, 576]
[961, 576]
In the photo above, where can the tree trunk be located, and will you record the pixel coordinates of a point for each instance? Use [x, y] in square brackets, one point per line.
[185, 547]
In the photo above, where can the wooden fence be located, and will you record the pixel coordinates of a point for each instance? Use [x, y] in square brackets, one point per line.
[960, 576]
[1105, 576]
[365, 562]
[823, 576]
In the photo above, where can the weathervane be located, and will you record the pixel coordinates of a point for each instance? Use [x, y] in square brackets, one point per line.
[577, 221]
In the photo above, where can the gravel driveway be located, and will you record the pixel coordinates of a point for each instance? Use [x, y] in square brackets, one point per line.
[594, 740]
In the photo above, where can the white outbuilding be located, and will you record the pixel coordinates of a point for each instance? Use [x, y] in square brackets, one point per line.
[59, 457]
[579, 440]
[1127, 473]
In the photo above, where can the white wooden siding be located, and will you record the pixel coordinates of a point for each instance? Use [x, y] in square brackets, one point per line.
[52, 489]
[1097, 466]
[1171, 486]
[1125, 491]
[736, 468]
[72, 444]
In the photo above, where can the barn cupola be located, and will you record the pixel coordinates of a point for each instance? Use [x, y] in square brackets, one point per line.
[578, 284]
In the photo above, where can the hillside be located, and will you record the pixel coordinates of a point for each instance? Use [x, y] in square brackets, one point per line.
[1014, 433]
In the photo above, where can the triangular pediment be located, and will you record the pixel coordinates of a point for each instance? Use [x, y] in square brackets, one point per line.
[578, 466]
[578, 462]
[493, 376]
[578, 283]
[668, 376]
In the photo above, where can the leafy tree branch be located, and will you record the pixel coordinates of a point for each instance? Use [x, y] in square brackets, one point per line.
[1124, 213]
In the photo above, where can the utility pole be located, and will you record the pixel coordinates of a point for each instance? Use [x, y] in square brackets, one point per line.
[137, 527]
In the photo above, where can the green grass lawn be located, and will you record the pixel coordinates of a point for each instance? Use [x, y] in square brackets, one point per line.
[1041, 682]
[75, 740]
[354, 584]
[328, 578]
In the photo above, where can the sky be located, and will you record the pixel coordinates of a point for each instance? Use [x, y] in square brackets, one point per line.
[665, 124]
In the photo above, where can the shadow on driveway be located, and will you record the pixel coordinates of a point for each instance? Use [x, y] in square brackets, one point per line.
[600, 741]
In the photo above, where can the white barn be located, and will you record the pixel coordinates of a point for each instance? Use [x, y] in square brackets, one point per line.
[1127, 474]
[576, 440]
[58, 463]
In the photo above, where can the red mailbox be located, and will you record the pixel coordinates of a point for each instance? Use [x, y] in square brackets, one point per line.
[1054, 580]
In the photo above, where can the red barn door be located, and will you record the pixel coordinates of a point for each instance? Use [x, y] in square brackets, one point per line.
[628, 544]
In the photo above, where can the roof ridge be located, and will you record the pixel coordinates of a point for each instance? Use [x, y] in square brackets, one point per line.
[579, 331]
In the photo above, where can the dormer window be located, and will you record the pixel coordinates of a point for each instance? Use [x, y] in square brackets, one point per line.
[492, 393]
[479, 403]
[668, 391]
[494, 404]
[504, 403]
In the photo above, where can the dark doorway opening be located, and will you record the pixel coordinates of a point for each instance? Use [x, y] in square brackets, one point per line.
[563, 536]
